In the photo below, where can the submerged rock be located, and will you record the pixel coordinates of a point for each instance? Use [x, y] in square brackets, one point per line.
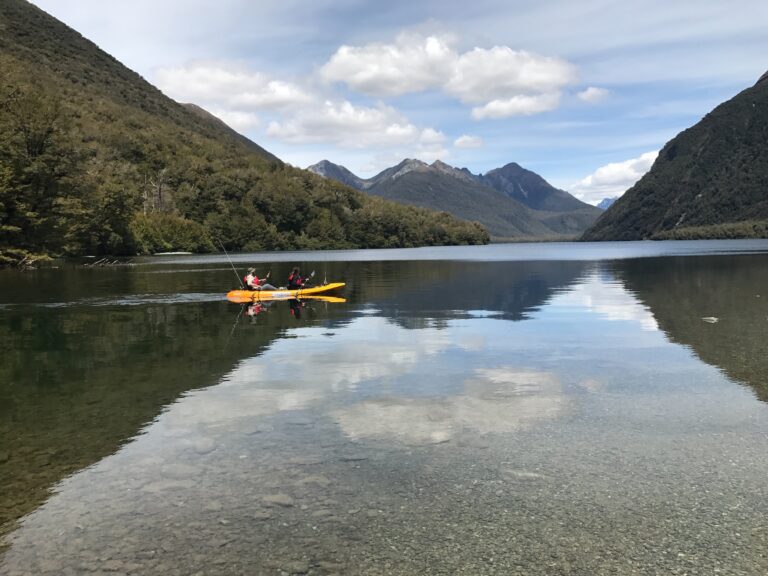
[204, 446]
[279, 500]
[296, 567]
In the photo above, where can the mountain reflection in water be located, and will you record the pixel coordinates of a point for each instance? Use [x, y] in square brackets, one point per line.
[446, 413]
[680, 292]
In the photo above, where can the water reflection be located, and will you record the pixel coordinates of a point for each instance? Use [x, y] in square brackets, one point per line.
[496, 400]
[94, 361]
[681, 292]
[447, 414]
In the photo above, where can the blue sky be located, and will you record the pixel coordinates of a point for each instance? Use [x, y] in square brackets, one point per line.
[584, 93]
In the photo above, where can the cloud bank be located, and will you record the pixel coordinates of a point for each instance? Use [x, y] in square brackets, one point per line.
[503, 82]
[613, 179]
[467, 141]
[229, 85]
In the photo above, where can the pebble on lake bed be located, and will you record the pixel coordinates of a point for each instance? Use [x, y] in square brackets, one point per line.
[278, 500]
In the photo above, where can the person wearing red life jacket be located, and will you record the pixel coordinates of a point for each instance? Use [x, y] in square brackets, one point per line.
[252, 281]
[295, 281]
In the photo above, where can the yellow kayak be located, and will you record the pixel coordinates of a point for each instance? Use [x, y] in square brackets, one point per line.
[243, 296]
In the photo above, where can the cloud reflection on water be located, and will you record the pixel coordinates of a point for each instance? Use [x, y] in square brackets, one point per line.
[606, 296]
[494, 400]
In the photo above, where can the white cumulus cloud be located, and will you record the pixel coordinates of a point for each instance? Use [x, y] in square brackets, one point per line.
[521, 105]
[501, 73]
[613, 179]
[501, 81]
[228, 86]
[350, 126]
[430, 136]
[240, 121]
[413, 63]
[593, 95]
[467, 141]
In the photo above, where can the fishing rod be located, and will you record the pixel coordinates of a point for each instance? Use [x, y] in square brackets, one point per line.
[230, 263]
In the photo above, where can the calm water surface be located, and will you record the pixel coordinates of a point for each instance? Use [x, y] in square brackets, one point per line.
[528, 409]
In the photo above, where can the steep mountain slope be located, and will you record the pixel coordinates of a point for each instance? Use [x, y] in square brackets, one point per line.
[709, 181]
[93, 159]
[512, 202]
[207, 117]
[532, 190]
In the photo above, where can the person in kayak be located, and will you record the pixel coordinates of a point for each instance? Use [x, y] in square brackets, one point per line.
[253, 283]
[295, 281]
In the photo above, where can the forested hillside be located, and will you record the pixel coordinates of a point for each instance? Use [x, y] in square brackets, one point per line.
[95, 160]
[710, 181]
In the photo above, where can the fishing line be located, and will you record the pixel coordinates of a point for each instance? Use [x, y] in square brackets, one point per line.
[233, 266]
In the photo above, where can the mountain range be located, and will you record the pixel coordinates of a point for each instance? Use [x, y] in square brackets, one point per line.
[511, 202]
[710, 181]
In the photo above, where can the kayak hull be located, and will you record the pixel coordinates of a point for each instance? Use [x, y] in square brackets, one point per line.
[243, 296]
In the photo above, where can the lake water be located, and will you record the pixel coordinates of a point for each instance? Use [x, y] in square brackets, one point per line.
[525, 409]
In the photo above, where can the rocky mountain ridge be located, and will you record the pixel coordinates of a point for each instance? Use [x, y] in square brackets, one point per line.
[510, 201]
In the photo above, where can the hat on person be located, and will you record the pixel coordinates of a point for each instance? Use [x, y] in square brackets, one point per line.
[251, 270]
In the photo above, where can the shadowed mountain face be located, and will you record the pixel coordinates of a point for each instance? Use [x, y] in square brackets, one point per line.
[733, 289]
[510, 201]
[467, 199]
[532, 190]
[710, 181]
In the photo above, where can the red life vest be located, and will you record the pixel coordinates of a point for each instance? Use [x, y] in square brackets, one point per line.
[253, 285]
[294, 281]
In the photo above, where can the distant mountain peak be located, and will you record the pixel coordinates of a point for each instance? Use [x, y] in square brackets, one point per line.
[763, 78]
[407, 165]
[328, 169]
[323, 167]
[531, 189]
[606, 203]
[461, 174]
